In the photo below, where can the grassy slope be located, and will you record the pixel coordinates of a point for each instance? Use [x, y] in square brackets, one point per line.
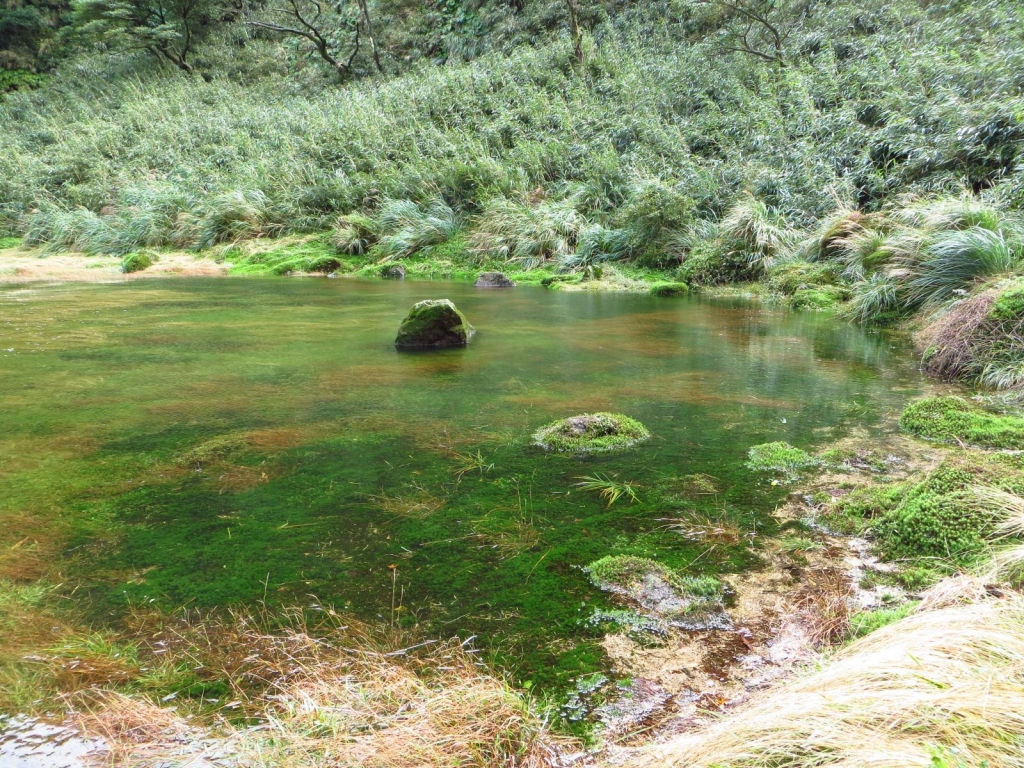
[882, 99]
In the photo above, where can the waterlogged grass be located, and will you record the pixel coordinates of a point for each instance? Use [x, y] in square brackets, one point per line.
[954, 420]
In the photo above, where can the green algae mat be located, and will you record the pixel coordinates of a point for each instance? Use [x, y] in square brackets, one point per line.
[216, 442]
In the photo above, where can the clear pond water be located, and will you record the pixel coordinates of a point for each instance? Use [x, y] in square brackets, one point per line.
[210, 442]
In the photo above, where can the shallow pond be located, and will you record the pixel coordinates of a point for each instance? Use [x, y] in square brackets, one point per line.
[207, 442]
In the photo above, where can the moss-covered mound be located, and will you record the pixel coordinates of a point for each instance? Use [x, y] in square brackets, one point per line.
[591, 433]
[818, 297]
[954, 420]
[669, 289]
[434, 323]
[659, 590]
[780, 458]
[136, 262]
[942, 517]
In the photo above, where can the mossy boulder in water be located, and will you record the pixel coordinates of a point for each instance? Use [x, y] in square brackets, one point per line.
[493, 280]
[434, 323]
[590, 433]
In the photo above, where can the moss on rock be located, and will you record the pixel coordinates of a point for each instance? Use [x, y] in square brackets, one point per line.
[591, 433]
[434, 323]
[954, 420]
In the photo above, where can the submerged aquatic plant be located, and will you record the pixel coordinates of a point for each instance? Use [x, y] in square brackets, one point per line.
[610, 490]
[470, 462]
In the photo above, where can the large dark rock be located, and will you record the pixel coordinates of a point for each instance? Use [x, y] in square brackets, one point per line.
[493, 280]
[434, 323]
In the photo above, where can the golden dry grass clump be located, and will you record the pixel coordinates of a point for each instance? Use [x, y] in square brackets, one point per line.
[335, 694]
[938, 688]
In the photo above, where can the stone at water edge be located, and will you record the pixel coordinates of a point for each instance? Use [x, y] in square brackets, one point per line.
[493, 280]
[434, 323]
[393, 272]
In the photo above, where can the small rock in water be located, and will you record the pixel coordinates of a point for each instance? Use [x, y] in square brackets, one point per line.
[434, 323]
[393, 272]
[493, 280]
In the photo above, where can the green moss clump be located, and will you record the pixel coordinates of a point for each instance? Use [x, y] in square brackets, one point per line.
[818, 297]
[1010, 303]
[313, 255]
[550, 280]
[781, 458]
[938, 517]
[953, 419]
[669, 289]
[9, 242]
[136, 262]
[625, 571]
[866, 622]
[591, 433]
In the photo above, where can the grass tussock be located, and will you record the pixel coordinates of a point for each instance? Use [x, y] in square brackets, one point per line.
[327, 693]
[937, 688]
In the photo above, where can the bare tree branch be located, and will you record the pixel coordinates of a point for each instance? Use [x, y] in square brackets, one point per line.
[312, 28]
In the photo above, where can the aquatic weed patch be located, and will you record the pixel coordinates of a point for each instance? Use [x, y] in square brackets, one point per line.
[591, 433]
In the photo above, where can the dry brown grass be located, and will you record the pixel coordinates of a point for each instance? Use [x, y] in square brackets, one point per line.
[823, 603]
[29, 266]
[953, 337]
[330, 694]
[443, 710]
[906, 695]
